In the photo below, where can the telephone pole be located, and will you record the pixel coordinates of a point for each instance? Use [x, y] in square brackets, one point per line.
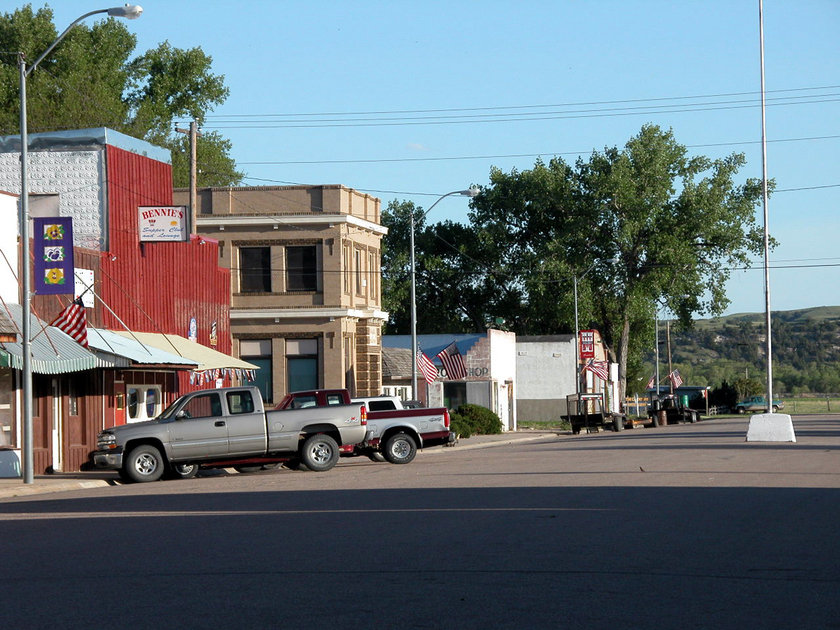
[193, 133]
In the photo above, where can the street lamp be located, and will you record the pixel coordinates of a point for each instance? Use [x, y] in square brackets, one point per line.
[577, 329]
[129, 11]
[470, 192]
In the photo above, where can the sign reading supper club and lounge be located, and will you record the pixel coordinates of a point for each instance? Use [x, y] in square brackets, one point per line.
[163, 223]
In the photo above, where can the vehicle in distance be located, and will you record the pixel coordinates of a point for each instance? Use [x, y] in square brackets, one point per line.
[394, 433]
[757, 403]
[228, 427]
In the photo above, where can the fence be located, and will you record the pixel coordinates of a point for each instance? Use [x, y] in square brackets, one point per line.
[813, 403]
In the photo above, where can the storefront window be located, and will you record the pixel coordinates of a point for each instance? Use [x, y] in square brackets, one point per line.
[258, 352]
[143, 402]
[302, 364]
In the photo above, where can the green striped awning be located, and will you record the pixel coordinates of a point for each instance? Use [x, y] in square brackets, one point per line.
[53, 352]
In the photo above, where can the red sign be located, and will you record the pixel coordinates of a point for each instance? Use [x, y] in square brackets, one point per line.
[587, 344]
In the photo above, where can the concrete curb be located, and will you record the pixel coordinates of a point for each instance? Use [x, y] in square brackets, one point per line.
[17, 488]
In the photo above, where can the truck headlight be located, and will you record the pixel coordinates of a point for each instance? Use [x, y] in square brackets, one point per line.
[106, 441]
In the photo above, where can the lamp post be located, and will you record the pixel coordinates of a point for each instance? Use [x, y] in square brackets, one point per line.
[129, 11]
[577, 330]
[470, 192]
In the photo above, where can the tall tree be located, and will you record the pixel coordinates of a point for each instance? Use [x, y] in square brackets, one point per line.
[639, 227]
[90, 80]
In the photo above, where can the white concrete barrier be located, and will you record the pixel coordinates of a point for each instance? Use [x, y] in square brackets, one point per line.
[771, 427]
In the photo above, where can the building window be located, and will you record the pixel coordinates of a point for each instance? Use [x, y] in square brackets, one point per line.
[302, 364]
[348, 270]
[258, 352]
[72, 399]
[144, 402]
[301, 268]
[360, 283]
[255, 269]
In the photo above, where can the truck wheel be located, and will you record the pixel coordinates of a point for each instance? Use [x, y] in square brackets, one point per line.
[775, 408]
[319, 452]
[740, 410]
[183, 471]
[144, 463]
[399, 449]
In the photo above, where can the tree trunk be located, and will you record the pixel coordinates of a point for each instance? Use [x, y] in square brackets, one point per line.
[624, 344]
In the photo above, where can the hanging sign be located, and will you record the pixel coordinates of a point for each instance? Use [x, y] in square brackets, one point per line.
[587, 344]
[162, 223]
[53, 244]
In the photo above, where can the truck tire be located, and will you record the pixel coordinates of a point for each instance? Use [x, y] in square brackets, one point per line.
[183, 471]
[399, 448]
[144, 463]
[775, 408]
[319, 452]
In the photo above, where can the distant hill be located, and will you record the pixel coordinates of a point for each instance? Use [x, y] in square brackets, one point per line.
[806, 349]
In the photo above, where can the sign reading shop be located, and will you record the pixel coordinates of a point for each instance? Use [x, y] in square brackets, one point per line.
[163, 223]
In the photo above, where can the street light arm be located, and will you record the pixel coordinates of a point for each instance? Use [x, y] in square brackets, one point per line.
[470, 192]
[129, 11]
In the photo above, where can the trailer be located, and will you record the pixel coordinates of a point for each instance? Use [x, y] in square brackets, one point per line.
[590, 412]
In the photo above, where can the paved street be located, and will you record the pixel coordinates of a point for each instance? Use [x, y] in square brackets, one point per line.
[684, 526]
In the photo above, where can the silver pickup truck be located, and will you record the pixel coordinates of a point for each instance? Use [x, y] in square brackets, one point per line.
[228, 427]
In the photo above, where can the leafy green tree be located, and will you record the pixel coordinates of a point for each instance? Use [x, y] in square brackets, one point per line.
[638, 226]
[90, 80]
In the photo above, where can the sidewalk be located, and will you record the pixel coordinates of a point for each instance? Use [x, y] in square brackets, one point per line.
[61, 482]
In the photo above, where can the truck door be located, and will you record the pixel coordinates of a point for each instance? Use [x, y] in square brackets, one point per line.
[246, 424]
[200, 431]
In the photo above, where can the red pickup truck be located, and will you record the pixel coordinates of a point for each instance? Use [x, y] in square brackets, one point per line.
[394, 432]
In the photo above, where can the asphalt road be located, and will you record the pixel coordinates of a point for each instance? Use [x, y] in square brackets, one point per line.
[681, 527]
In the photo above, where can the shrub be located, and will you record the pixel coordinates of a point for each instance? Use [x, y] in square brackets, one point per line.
[474, 419]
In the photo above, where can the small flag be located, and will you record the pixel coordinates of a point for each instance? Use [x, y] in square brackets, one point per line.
[453, 362]
[425, 365]
[73, 321]
[598, 368]
[651, 382]
[676, 379]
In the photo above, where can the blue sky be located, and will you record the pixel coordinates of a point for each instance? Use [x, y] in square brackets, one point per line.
[312, 83]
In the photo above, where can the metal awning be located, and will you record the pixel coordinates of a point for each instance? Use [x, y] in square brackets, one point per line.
[205, 358]
[53, 352]
[115, 350]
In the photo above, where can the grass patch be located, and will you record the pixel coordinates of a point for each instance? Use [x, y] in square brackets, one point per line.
[552, 425]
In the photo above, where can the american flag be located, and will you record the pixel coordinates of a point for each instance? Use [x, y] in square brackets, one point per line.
[73, 321]
[452, 361]
[676, 379]
[598, 368]
[651, 382]
[425, 365]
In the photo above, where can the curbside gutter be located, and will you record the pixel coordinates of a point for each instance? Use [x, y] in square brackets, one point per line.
[43, 484]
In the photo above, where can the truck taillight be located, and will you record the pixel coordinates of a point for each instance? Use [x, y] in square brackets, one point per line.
[446, 418]
[363, 414]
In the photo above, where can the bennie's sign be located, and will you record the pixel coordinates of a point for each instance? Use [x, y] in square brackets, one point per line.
[163, 223]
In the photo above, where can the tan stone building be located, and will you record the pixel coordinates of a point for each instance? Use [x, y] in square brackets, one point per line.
[305, 282]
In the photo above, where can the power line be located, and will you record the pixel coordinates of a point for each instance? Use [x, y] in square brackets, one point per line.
[511, 155]
[514, 107]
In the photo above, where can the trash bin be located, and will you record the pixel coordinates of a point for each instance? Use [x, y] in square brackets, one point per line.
[684, 400]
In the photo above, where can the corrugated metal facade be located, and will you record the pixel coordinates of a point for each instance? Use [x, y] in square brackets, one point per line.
[158, 287]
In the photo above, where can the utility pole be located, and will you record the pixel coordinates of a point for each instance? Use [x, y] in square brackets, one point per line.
[193, 133]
